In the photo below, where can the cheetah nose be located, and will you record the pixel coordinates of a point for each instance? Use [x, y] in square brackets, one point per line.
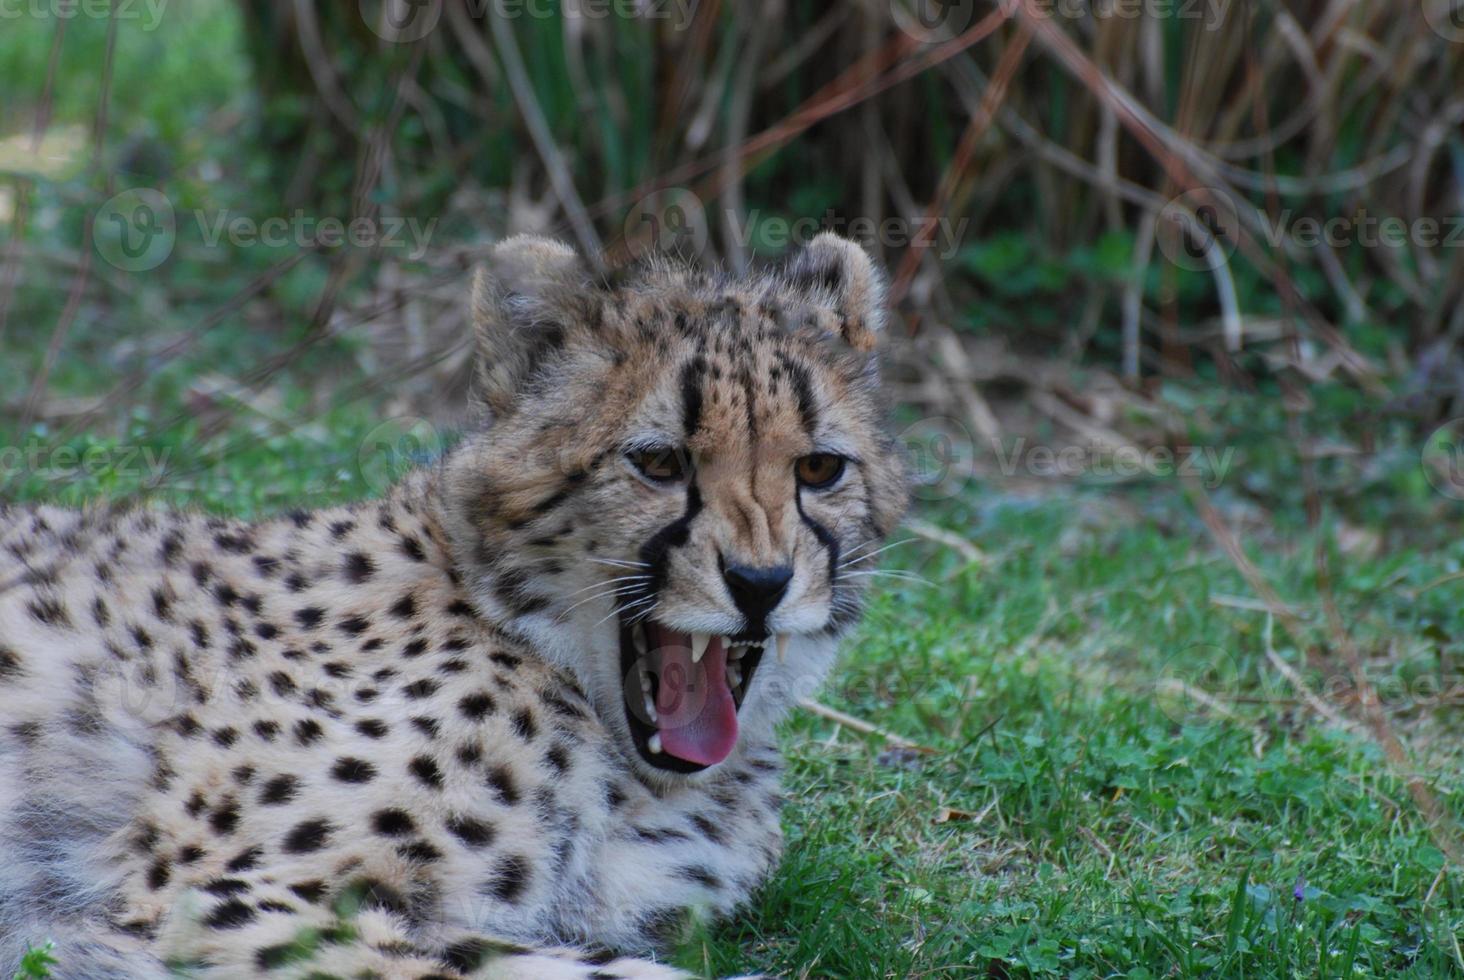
[757, 591]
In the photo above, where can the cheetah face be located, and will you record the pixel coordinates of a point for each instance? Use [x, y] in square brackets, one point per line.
[679, 493]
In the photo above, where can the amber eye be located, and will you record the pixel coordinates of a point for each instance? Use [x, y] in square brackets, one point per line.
[820, 471]
[661, 463]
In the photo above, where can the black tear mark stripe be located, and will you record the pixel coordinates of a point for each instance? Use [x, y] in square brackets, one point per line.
[824, 536]
[673, 535]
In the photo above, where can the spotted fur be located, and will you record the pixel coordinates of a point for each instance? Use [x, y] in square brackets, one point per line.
[390, 739]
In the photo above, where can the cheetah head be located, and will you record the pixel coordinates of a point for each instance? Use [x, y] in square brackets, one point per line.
[683, 478]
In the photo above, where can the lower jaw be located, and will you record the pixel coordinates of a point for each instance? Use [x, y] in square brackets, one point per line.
[642, 731]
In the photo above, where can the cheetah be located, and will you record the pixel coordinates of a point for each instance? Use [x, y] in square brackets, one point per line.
[514, 718]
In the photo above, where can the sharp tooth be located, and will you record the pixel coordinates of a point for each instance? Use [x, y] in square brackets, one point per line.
[651, 707]
[735, 653]
[699, 643]
[655, 744]
[734, 675]
[638, 635]
[782, 647]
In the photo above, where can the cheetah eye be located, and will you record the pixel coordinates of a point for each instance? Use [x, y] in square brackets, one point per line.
[661, 464]
[820, 471]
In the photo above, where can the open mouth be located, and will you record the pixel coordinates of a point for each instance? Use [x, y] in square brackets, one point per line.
[683, 692]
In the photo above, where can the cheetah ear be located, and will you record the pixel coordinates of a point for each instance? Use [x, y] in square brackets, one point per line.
[837, 271]
[522, 308]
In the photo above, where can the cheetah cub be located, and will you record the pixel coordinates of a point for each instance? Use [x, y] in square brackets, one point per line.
[515, 719]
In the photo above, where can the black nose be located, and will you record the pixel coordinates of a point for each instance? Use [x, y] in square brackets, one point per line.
[757, 591]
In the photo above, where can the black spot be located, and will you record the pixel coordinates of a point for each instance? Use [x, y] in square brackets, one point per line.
[246, 860]
[354, 625]
[469, 753]
[523, 724]
[392, 823]
[558, 757]
[225, 594]
[48, 611]
[307, 730]
[267, 730]
[475, 706]
[189, 854]
[310, 891]
[468, 955]
[243, 775]
[296, 582]
[404, 608]
[237, 544]
[501, 780]
[708, 829]
[460, 607]
[225, 818]
[266, 631]
[352, 770]
[266, 566]
[372, 727]
[510, 878]
[310, 616]
[9, 664]
[419, 850]
[282, 683]
[225, 737]
[701, 875]
[359, 567]
[280, 789]
[417, 690]
[308, 836]
[232, 914]
[427, 726]
[412, 548]
[473, 833]
[426, 771]
[226, 887]
[415, 648]
[159, 873]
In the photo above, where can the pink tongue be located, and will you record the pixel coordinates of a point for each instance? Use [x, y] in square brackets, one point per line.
[698, 718]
